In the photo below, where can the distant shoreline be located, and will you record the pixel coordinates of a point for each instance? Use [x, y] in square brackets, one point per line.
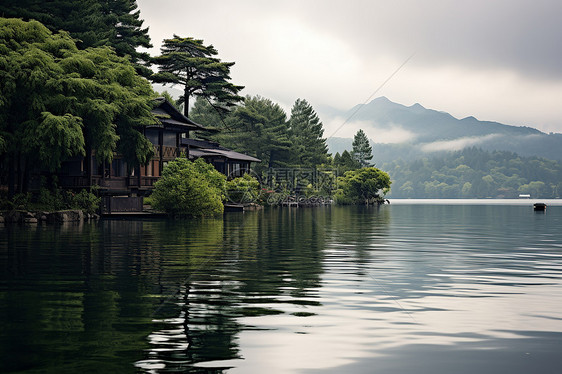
[521, 202]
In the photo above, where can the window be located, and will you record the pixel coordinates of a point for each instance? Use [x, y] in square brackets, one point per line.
[152, 135]
[169, 139]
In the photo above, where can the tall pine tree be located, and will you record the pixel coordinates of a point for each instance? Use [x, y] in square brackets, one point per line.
[189, 63]
[309, 147]
[362, 151]
[259, 128]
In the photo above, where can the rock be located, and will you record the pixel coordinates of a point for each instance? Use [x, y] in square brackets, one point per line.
[13, 216]
[30, 220]
[66, 216]
[1, 219]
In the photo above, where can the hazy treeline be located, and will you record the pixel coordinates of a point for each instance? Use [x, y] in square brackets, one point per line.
[475, 173]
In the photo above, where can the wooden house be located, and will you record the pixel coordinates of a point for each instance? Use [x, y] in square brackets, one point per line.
[232, 164]
[123, 187]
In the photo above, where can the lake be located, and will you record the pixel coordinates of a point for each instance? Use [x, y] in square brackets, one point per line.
[410, 287]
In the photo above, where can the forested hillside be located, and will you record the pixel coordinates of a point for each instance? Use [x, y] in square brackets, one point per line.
[475, 173]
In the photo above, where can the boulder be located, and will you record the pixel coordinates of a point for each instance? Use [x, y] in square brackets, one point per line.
[66, 216]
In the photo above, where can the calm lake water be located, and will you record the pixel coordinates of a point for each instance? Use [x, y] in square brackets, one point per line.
[411, 287]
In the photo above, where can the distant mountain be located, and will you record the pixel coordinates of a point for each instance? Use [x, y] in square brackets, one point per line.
[424, 131]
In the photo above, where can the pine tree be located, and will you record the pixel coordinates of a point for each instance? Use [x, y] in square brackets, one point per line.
[362, 151]
[309, 147]
[92, 23]
[259, 128]
[345, 162]
[192, 65]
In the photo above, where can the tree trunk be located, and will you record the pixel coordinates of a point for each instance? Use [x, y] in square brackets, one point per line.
[11, 175]
[26, 174]
[185, 102]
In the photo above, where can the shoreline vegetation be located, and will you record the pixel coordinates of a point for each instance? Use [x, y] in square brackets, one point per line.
[63, 102]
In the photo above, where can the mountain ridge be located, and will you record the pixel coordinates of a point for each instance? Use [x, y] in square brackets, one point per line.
[429, 130]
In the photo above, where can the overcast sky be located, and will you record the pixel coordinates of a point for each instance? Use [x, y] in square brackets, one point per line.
[498, 60]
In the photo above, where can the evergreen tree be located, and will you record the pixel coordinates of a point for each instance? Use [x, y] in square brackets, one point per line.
[259, 128]
[216, 122]
[309, 147]
[362, 151]
[57, 101]
[345, 162]
[189, 63]
[336, 159]
[92, 23]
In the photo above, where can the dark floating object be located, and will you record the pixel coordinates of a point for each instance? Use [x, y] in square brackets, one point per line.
[539, 206]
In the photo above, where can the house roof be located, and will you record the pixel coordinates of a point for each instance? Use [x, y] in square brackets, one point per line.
[199, 143]
[226, 153]
[169, 117]
[234, 155]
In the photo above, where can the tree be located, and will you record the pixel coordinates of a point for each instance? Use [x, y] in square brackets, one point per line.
[309, 147]
[189, 63]
[345, 162]
[259, 128]
[57, 101]
[362, 151]
[364, 186]
[190, 188]
[92, 23]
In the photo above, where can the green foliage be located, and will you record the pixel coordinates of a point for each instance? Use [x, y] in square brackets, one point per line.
[309, 147]
[192, 65]
[345, 162]
[190, 188]
[474, 173]
[56, 100]
[259, 128]
[362, 151]
[363, 186]
[86, 201]
[92, 23]
[51, 201]
[245, 189]
[148, 200]
[166, 95]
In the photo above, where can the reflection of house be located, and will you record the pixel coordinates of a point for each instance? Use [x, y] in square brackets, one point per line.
[170, 137]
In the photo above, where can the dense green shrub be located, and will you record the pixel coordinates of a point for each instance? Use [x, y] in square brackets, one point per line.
[245, 189]
[190, 188]
[47, 200]
[86, 201]
[363, 186]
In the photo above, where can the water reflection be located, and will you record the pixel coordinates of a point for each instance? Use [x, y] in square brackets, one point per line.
[403, 288]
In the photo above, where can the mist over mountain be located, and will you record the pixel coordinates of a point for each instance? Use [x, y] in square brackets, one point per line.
[409, 132]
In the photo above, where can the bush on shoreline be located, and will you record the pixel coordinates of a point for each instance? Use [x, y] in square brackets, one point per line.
[362, 186]
[51, 201]
[190, 188]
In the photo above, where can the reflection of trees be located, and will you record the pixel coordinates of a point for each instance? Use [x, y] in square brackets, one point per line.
[117, 292]
[360, 231]
[278, 250]
[60, 306]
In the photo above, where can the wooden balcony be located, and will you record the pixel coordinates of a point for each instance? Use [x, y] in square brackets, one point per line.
[145, 181]
[167, 153]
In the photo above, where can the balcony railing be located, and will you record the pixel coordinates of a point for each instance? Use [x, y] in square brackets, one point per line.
[145, 181]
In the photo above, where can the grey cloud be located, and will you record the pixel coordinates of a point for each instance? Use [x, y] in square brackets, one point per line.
[520, 35]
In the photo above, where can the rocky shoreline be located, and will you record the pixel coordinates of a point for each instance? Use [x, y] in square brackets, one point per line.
[25, 217]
